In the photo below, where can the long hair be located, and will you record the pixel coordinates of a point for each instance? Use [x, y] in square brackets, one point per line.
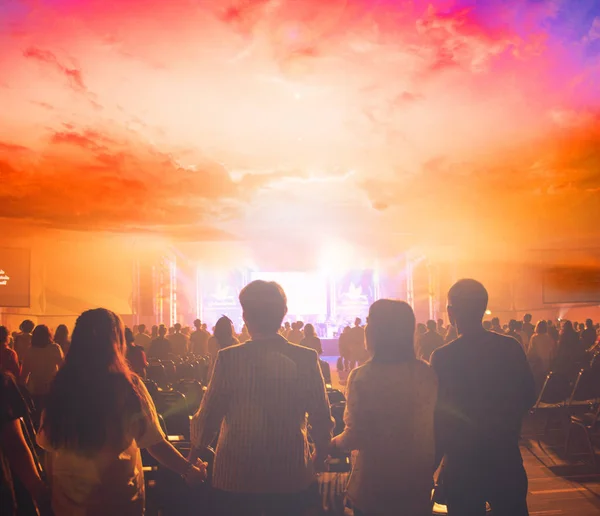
[94, 397]
[61, 335]
[41, 337]
[391, 332]
[309, 330]
[541, 328]
[224, 332]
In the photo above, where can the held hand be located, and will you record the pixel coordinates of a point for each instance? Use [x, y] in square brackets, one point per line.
[197, 474]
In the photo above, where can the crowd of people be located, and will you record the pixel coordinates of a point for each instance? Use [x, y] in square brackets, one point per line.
[417, 396]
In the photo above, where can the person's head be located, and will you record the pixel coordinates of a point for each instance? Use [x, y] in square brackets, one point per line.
[177, 327]
[197, 324]
[162, 330]
[203, 326]
[286, 325]
[527, 318]
[61, 335]
[589, 324]
[346, 329]
[431, 326]
[512, 325]
[129, 338]
[27, 326]
[519, 326]
[224, 332]
[41, 336]
[300, 325]
[390, 331]
[421, 329]
[581, 326]
[93, 398]
[264, 305]
[567, 327]
[357, 321]
[154, 331]
[487, 325]
[496, 322]
[142, 328]
[541, 328]
[3, 335]
[309, 330]
[550, 323]
[467, 303]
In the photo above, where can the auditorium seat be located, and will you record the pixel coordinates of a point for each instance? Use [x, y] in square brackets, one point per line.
[156, 372]
[193, 392]
[172, 406]
[589, 422]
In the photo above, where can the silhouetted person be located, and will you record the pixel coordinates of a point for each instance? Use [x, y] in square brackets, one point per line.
[528, 327]
[512, 332]
[485, 389]
[199, 339]
[179, 341]
[295, 335]
[344, 348]
[311, 340]
[61, 337]
[390, 419]
[588, 336]
[356, 344]
[570, 356]
[429, 341]
[262, 397]
[22, 341]
[496, 325]
[142, 339]
[223, 337]
[136, 357]
[553, 331]
[160, 347]
[9, 362]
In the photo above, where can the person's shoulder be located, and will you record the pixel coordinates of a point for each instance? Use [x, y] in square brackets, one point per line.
[302, 351]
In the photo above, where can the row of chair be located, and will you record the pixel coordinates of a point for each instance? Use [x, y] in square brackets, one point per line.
[573, 403]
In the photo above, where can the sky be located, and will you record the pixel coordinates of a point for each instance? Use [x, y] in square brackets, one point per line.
[446, 120]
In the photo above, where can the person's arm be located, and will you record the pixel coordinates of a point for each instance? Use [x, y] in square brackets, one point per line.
[153, 439]
[439, 425]
[350, 438]
[207, 421]
[21, 461]
[319, 412]
[25, 371]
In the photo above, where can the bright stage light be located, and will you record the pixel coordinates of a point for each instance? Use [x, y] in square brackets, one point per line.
[335, 256]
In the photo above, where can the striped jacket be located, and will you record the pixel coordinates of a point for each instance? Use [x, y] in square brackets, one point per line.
[263, 397]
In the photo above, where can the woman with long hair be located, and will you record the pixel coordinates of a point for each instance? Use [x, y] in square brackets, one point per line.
[222, 338]
[41, 363]
[61, 337]
[98, 416]
[311, 340]
[389, 419]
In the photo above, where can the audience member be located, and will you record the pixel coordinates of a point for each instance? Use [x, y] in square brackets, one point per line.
[259, 397]
[9, 362]
[97, 419]
[389, 419]
[41, 363]
[142, 339]
[199, 339]
[23, 339]
[135, 355]
[485, 389]
[570, 355]
[16, 459]
[61, 337]
[356, 344]
[179, 342]
[588, 335]
[541, 353]
[311, 340]
[160, 347]
[244, 335]
[223, 337]
[295, 335]
[528, 328]
[496, 326]
[429, 341]
[344, 348]
[512, 332]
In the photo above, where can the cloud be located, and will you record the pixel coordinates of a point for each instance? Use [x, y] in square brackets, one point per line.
[181, 116]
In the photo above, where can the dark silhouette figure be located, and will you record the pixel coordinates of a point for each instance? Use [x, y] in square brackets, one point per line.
[570, 357]
[61, 337]
[485, 389]
[588, 336]
[160, 347]
[429, 341]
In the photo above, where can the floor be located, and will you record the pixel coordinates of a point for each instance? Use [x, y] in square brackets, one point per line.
[557, 486]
